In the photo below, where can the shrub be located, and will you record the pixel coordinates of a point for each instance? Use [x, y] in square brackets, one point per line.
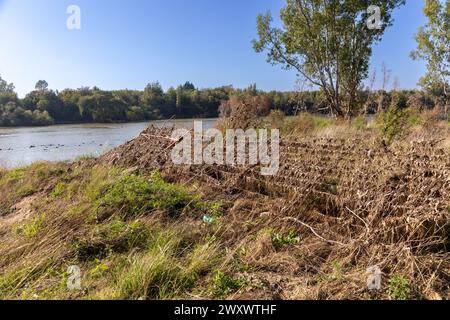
[393, 123]
[276, 119]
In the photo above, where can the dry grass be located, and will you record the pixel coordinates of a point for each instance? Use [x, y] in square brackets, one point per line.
[355, 202]
[342, 202]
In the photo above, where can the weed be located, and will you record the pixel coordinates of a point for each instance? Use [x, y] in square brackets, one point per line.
[224, 284]
[303, 123]
[26, 190]
[201, 259]
[13, 282]
[306, 124]
[399, 288]
[30, 229]
[415, 119]
[359, 123]
[59, 189]
[337, 270]
[280, 240]
[99, 269]
[213, 209]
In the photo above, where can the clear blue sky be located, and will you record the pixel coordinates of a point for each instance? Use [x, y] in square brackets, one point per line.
[127, 44]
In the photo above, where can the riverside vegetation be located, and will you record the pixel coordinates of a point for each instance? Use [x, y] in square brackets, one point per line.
[354, 192]
[135, 225]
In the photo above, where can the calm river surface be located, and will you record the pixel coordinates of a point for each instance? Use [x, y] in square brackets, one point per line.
[23, 146]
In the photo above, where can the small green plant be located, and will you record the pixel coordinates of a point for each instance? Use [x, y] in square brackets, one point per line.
[337, 270]
[393, 123]
[359, 123]
[224, 284]
[99, 269]
[13, 282]
[58, 190]
[321, 123]
[26, 190]
[30, 229]
[281, 240]
[415, 118]
[399, 288]
[213, 209]
[16, 174]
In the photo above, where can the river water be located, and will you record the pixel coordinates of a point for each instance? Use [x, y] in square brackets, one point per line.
[23, 146]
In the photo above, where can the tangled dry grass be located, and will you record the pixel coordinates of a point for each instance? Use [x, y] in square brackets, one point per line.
[355, 203]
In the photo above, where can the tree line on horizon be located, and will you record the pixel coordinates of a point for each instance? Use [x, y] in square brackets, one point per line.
[44, 106]
[86, 105]
[92, 105]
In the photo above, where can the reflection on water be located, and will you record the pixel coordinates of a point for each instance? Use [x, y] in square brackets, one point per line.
[23, 146]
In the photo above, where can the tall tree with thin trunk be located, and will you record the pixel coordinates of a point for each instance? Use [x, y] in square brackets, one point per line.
[433, 41]
[328, 42]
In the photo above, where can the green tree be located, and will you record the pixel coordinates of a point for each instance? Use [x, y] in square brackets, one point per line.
[6, 87]
[328, 42]
[44, 101]
[41, 85]
[188, 86]
[103, 106]
[433, 41]
[153, 100]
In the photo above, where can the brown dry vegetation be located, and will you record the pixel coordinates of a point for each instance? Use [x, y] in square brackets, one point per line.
[346, 198]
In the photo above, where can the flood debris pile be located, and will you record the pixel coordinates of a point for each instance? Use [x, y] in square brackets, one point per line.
[336, 208]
